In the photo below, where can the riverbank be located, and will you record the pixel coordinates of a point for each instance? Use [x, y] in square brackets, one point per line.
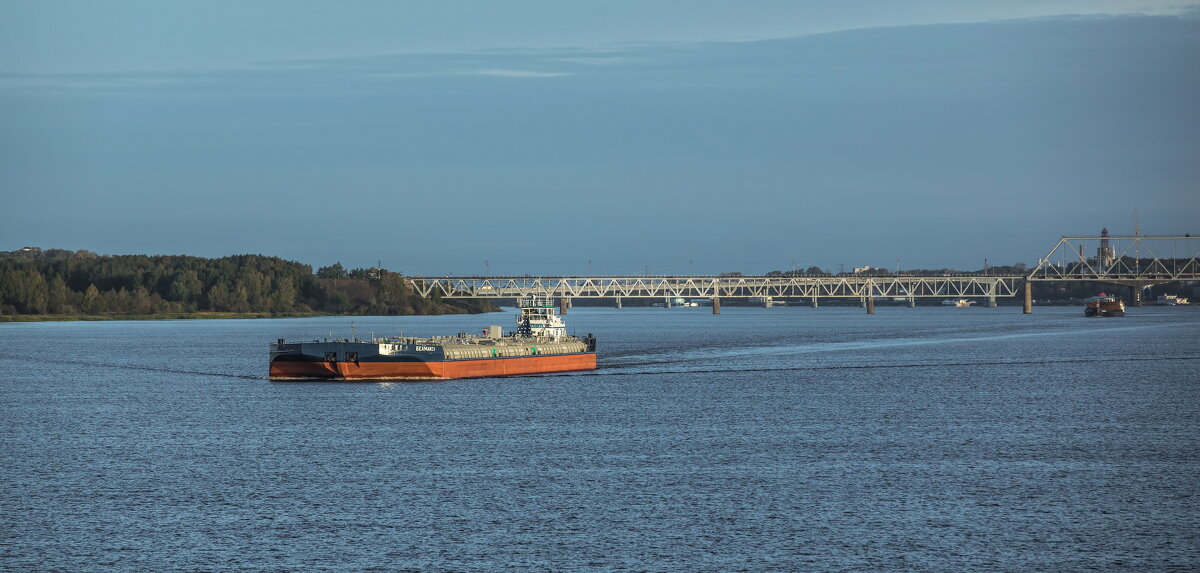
[172, 316]
[163, 316]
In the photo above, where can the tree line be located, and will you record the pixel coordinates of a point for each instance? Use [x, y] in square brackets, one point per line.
[61, 282]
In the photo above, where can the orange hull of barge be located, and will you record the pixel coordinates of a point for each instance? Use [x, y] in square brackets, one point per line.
[431, 370]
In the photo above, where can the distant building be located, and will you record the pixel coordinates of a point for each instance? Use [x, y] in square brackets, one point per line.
[1104, 254]
[860, 270]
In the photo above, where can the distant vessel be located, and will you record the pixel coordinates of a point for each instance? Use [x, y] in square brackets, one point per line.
[677, 302]
[539, 345]
[1171, 300]
[958, 302]
[767, 301]
[1104, 305]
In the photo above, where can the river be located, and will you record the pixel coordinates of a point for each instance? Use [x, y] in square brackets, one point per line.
[939, 439]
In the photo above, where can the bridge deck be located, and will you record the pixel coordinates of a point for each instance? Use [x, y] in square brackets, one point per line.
[719, 287]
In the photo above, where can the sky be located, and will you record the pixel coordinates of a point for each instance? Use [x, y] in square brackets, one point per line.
[597, 137]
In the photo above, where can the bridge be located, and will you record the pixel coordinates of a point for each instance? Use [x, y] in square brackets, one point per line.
[1135, 261]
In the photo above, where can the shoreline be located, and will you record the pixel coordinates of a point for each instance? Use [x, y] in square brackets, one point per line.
[163, 316]
[13, 318]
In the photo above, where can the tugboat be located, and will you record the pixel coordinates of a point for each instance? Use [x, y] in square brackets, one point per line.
[540, 344]
[1104, 305]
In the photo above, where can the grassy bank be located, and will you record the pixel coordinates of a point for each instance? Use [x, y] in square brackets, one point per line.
[163, 316]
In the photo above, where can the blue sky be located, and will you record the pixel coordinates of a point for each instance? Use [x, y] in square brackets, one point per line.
[678, 137]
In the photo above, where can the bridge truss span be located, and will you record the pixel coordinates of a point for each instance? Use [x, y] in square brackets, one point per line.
[1136, 261]
[1122, 259]
[908, 287]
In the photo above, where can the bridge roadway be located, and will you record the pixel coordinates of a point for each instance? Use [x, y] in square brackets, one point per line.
[716, 287]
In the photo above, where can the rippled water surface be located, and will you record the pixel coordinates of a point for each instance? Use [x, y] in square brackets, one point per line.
[937, 439]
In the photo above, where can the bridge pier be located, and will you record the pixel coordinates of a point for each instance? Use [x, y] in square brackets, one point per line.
[563, 304]
[1028, 298]
[1135, 294]
[870, 305]
[814, 302]
[716, 305]
[618, 302]
[912, 302]
[992, 301]
[862, 302]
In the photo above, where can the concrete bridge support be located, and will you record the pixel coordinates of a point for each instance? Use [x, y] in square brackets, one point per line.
[912, 302]
[814, 302]
[992, 301]
[564, 303]
[716, 305]
[870, 305]
[1028, 298]
[618, 302]
[1136, 293]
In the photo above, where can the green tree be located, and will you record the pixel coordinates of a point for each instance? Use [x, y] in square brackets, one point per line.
[334, 271]
[185, 286]
[58, 296]
[92, 303]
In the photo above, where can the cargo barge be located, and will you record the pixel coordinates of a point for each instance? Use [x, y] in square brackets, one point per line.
[1104, 306]
[539, 345]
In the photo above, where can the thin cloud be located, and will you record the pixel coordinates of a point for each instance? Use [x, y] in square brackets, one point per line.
[593, 61]
[516, 73]
[82, 82]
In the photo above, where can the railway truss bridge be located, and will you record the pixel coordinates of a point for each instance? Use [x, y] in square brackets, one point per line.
[1133, 261]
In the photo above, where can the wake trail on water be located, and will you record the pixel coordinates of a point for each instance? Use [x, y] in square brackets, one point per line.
[620, 370]
[152, 369]
[727, 352]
